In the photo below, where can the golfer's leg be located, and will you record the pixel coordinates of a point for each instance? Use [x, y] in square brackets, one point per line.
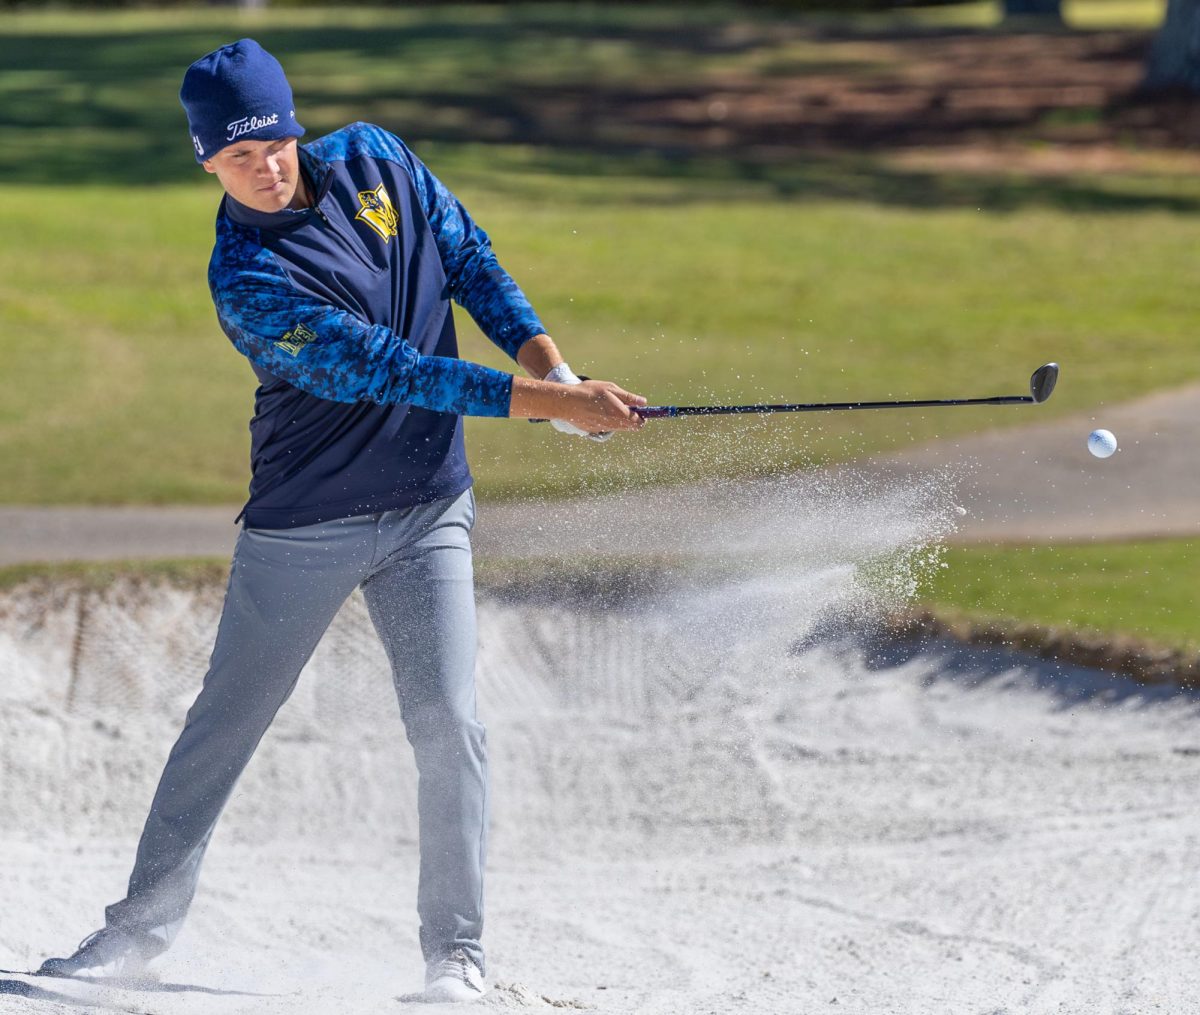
[284, 588]
[423, 606]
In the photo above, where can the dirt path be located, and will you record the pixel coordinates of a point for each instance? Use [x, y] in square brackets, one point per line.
[1032, 482]
[1040, 482]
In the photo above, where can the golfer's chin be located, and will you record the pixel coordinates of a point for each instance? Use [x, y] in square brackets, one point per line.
[273, 198]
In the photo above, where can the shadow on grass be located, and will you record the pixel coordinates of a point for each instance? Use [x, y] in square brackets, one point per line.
[817, 177]
[1066, 684]
[609, 94]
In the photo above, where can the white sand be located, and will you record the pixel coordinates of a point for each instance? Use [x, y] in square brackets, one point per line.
[695, 810]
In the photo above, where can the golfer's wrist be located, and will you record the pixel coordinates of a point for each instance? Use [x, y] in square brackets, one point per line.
[539, 355]
[561, 373]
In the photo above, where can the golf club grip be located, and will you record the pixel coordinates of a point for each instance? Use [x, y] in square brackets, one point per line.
[645, 411]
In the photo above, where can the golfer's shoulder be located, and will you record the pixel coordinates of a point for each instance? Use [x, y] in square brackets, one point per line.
[360, 140]
[239, 259]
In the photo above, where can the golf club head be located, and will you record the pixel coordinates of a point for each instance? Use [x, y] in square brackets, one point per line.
[1041, 384]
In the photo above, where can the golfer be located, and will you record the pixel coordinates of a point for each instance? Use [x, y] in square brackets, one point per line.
[332, 273]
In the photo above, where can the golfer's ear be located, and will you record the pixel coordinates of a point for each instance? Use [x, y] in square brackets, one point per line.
[208, 166]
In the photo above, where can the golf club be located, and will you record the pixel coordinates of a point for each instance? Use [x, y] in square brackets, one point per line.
[1041, 387]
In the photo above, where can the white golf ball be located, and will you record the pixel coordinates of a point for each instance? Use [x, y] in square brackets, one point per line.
[1102, 443]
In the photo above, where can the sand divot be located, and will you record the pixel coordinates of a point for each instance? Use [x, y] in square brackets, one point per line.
[501, 997]
[514, 996]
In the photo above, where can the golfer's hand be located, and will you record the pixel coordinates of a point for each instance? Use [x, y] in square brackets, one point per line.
[599, 408]
[594, 407]
[563, 374]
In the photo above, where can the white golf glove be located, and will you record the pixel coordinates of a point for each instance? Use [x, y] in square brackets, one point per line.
[563, 374]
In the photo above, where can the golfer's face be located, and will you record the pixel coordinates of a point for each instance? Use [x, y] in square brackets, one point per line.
[262, 175]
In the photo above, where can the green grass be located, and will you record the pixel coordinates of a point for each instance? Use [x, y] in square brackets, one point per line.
[90, 96]
[93, 576]
[1114, 13]
[697, 278]
[1145, 589]
[687, 277]
[120, 388]
[1090, 14]
[96, 94]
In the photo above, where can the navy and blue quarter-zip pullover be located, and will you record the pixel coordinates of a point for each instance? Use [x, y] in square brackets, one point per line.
[343, 310]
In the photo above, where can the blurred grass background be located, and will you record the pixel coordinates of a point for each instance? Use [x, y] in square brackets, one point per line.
[691, 257]
[123, 390]
[1144, 589]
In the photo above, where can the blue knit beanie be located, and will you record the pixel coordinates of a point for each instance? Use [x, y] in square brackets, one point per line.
[237, 91]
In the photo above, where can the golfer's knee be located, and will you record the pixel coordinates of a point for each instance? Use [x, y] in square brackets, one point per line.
[443, 720]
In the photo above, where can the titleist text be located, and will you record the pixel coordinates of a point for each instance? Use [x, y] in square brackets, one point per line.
[248, 123]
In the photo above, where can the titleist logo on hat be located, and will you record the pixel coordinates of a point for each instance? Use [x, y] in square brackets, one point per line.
[248, 123]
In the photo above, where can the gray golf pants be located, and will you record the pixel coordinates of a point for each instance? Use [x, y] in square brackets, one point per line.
[414, 567]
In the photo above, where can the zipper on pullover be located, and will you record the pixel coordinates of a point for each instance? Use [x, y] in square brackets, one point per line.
[347, 242]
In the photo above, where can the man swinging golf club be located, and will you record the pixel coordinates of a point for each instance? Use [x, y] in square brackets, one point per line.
[332, 272]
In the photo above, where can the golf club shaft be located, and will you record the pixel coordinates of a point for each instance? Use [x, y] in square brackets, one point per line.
[671, 411]
[1041, 387]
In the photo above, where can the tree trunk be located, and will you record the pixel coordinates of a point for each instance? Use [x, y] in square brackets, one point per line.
[1025, 10]
[1174, 61]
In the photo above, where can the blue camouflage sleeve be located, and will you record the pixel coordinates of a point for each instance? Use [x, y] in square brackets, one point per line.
[477, 281]
[330, 353]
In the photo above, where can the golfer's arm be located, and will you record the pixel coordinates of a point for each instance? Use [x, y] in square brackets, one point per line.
[536, 399]
[538, 356]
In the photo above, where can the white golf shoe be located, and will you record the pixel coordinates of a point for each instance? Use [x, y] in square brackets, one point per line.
[454, 978]
[106, 954]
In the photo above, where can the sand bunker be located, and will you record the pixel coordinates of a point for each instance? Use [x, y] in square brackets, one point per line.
[714, 794]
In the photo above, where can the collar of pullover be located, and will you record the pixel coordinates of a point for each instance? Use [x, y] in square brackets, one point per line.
[319, 177]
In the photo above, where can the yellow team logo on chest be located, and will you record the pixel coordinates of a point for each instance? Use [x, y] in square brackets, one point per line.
[377, 211]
